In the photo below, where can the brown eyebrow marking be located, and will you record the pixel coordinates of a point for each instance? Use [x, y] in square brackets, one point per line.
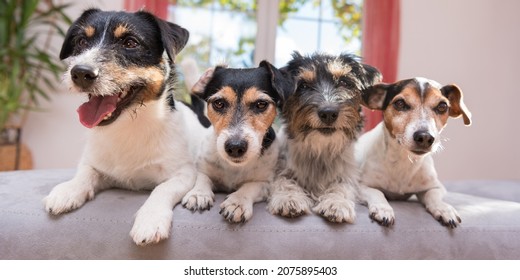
[90, 31]
[120, 31]
[307, 75]
[338, 69]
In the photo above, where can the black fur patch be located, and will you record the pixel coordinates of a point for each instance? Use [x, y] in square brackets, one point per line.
[269, 137]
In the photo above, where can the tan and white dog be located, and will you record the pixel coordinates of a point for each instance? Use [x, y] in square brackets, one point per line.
[395, 157]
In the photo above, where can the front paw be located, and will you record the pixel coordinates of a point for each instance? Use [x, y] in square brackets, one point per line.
[382, 214]
[236, 209]
[151, 225]
[198, 200]
[445, 214]
[289, 205]
[66, 197]
[336, 210]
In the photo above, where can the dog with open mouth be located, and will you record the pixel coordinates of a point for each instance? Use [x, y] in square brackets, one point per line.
[240, 151]
[321, 122]
[138, 134]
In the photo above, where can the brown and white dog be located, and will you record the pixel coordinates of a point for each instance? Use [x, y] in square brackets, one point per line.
[321, 122]
[138, 134]
[395, 157]
[239, 152]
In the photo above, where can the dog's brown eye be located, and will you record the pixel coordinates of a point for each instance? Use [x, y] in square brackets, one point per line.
[260, 105]
[441, 108]
[219, 104]
[82, 43]
[303, 85]
[130, 43]
[400, 105]
[345, 83]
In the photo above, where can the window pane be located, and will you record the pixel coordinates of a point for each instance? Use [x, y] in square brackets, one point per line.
[319, 26]
[219, 33]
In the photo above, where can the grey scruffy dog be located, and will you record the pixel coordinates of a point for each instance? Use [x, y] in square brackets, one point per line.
[322, 120]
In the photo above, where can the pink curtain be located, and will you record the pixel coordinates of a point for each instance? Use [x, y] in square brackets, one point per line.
[157, 7]
[380, 44]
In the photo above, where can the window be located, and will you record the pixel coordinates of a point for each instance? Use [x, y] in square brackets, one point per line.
[228, 31]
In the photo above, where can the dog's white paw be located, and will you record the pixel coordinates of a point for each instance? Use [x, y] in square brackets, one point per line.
[382, 213]
[336, 210]
[236, 209]
[66, 197]
[290, 204]
[151, 225]
[198, 200]
[445, 214]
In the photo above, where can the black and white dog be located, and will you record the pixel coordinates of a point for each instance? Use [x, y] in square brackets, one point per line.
[240, 151]
[322, 120]
[138, 139]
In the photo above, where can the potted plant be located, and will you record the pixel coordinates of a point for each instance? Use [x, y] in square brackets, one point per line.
[28, 69]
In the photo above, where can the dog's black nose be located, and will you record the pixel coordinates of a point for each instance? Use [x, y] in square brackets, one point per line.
[423, 139]
[235, 147]
[83, 75]
[328, 115]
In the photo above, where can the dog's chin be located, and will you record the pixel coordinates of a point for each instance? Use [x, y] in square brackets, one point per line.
[420, 153]
[238, 161]
[327, 130]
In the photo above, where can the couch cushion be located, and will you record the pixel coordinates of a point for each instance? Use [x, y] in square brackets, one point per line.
[100, 229]
[503, 189]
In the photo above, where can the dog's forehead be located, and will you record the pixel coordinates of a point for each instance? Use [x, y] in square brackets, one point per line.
[415, 90]
[240, 80]
[109, 24]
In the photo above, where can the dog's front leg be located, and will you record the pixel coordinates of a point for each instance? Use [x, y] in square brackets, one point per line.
[73, 194]
[378, 207]
[441, 211]
[201, 197]
[337, 204]
[288, 199]
[238, 206]
[154, 219]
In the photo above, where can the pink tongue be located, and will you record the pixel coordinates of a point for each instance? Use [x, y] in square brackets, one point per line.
[91, 113]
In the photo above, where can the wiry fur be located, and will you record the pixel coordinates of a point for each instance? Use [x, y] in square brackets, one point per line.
[322, 120]
[143, 144]
[239, 152]
[394, 158]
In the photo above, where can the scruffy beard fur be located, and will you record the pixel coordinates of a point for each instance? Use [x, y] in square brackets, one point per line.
[322, 120]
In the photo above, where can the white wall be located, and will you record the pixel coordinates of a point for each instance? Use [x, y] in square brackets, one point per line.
[474, 43]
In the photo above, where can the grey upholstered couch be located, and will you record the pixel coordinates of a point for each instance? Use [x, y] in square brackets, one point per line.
[99, 230]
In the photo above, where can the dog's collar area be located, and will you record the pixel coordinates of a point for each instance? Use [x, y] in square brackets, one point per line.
[269, 137]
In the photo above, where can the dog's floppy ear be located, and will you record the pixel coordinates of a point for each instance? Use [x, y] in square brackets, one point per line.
[200, 86]
[281, 82]
[374, 96]
[457, 106]
[68, 47]
[173, 37]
